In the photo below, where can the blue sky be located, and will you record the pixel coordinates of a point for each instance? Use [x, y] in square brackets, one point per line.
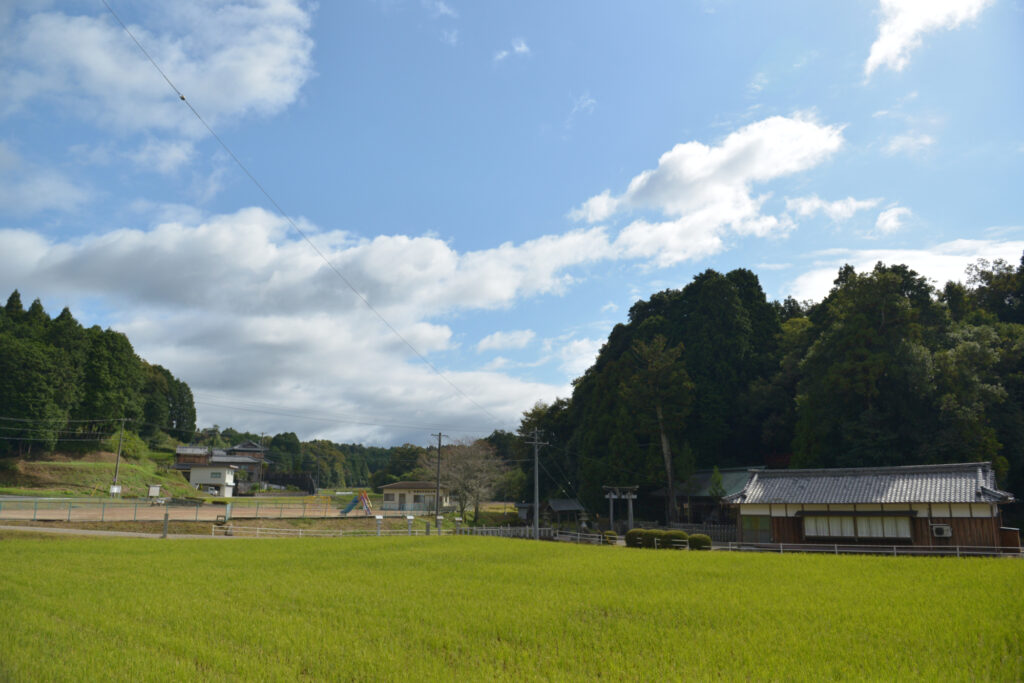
[500, 181]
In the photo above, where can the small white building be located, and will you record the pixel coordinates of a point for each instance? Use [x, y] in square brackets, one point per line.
[412, 496]
[216, 479]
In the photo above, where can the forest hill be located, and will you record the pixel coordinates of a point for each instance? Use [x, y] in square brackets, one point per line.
[886, 370]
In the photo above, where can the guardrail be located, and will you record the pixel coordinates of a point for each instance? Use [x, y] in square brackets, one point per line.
[840, 549]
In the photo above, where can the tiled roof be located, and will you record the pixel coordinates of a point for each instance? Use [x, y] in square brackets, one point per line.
[411, 485]
[565, 505]
[972, 482]
[234, 459]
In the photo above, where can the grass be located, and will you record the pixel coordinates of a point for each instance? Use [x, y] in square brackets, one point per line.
[91, 478]
[482, 608]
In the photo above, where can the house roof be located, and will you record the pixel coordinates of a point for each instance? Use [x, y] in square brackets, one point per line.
[234, 459]
[565, 505]
[972, 482]
[412, 485]
[191, 450]
[248, 447]
[699, 483]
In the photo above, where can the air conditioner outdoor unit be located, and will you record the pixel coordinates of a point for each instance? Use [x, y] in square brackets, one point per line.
[942, 531]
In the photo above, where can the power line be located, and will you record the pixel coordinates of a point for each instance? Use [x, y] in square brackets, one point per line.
[292, 223]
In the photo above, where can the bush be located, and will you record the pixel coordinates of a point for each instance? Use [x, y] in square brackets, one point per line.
[700, 542]
[653, 538]
[611, 538]
[671, 537]
[635, 538]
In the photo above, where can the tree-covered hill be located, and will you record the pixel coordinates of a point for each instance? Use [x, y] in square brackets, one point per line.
[63, 385]
[886, 370]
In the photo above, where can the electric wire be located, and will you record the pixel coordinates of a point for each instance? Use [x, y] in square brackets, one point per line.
[292, 223]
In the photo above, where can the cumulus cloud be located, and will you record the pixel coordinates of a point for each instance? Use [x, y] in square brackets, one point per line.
[240, 307]
[892, 219]
[905, 21]
[838, 211]
[27, 189]
[164, 156]
[576, 355]
[704, 191]
[940, 263]
[515, 339]
[229, 58]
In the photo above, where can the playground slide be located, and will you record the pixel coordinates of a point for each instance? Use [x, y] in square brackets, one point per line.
[352, 503]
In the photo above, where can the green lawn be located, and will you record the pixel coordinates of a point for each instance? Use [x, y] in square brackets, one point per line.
[470, 608]
[80, 478]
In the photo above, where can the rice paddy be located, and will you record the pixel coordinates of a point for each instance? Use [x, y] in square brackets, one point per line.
[474, 608]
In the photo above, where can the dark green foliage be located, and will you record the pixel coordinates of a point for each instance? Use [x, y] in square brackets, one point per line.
[673, 537]
[61, 383]
[635, 538]
[653, 538]
[886, 370]
[700, 542]
[611, 538]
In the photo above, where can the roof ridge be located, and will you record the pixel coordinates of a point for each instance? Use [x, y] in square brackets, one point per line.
[841, 471]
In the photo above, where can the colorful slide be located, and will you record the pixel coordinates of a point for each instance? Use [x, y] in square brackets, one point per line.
[361, 498]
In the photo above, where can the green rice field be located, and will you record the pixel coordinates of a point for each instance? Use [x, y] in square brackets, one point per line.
[472, 608]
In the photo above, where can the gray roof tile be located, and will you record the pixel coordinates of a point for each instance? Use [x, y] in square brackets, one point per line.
[972, 482]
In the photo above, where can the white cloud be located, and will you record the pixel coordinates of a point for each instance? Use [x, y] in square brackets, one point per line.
[576, 355]
[240, 307]
[519, 47]
[441, 9]
[229, 58]
[905, 21]
[26, 189]
[450, 37]
[910, 143]
[164, 156]
[757, 83]
[610, 307]
[892, 219]
[940, 263]
[837, 211]
[516, 339]
[704, 191]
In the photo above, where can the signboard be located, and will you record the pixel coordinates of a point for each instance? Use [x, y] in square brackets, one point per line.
[115, 489]
[154, 490]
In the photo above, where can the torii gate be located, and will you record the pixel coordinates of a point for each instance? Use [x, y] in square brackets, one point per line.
[613, 492]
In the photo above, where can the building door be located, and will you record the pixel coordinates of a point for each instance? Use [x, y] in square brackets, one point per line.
[401, 501]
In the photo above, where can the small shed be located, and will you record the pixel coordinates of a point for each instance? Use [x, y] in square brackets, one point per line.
[217, 479]
[924, 505]
[412, 496]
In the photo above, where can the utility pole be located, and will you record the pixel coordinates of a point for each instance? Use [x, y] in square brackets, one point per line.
[536, 483]
[117, 463]
[437, 490]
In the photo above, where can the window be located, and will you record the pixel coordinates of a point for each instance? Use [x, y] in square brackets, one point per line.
[839, 526]
[214, 475]
[757, 528]
[417, 498]
[389, 497]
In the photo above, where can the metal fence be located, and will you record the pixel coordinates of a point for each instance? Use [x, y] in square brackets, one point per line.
[79, 510]
[266, 532]
[839, 549]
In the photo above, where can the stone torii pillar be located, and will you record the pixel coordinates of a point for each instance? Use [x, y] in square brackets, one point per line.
[615, 492]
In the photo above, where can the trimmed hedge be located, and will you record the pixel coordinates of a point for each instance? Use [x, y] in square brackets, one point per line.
[653, 538]
[611, 538]
[675, 535]
[635, 538]
[700, 542]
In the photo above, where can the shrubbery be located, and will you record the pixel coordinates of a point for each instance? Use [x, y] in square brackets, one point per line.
[700, 542]
[672, 536]
[611, 538]
[635, 538]
[653, 538]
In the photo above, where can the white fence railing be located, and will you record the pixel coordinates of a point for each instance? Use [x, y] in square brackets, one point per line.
[839, 549]
[267, 532]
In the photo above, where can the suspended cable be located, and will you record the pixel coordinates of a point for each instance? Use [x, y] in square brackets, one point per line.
[292, 223]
